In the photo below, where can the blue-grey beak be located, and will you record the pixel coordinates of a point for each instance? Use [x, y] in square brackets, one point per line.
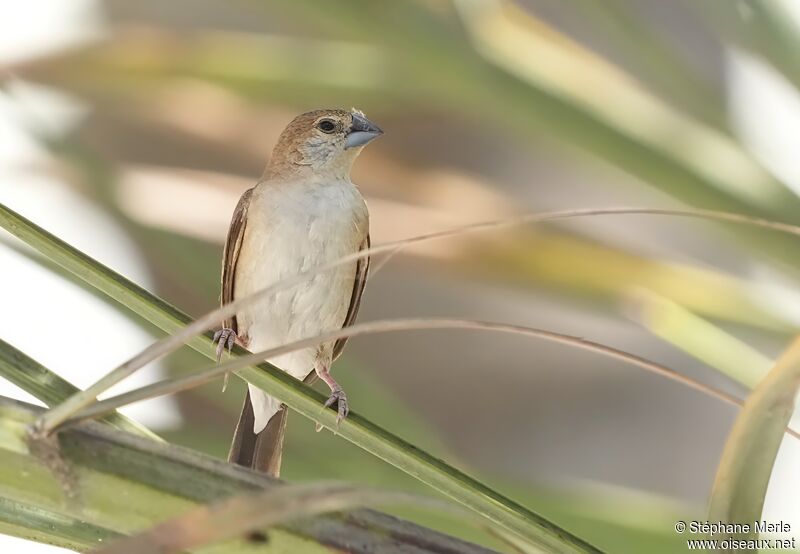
[361, 132]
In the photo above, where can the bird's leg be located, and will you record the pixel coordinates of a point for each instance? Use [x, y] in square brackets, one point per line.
[337, 396]
[225, 338]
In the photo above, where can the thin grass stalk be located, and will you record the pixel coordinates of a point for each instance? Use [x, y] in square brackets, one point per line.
[61, 413]
[203, 376]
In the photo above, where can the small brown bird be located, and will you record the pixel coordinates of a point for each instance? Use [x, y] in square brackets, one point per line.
[303, 213]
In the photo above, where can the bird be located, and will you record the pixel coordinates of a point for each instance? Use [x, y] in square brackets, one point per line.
[304, 212]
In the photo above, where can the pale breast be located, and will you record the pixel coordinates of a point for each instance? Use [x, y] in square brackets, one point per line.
[292, 228]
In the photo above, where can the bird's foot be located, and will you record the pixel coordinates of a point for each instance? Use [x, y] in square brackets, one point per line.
[339, 398]
[225, 338]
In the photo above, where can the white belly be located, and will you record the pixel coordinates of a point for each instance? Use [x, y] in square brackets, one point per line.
[291, 228]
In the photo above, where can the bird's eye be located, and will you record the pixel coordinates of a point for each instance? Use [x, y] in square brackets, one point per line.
[326, 126]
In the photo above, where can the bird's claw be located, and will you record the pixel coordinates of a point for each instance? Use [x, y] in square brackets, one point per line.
[339, 398]
[225, 339]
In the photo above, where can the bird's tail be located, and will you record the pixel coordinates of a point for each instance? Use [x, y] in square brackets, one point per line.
[260, 451]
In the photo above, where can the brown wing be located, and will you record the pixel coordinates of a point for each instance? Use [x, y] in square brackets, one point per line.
[233, 245]
[362, 270]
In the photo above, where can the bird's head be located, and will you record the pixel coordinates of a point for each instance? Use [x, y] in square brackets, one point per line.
[321, 143]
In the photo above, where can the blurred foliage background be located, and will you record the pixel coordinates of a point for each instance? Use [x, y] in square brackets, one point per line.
[131, 129]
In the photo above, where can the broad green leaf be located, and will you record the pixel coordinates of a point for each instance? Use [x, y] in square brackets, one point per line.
[249, 513]
[102, 483]
[35, 379]
[746, 465]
